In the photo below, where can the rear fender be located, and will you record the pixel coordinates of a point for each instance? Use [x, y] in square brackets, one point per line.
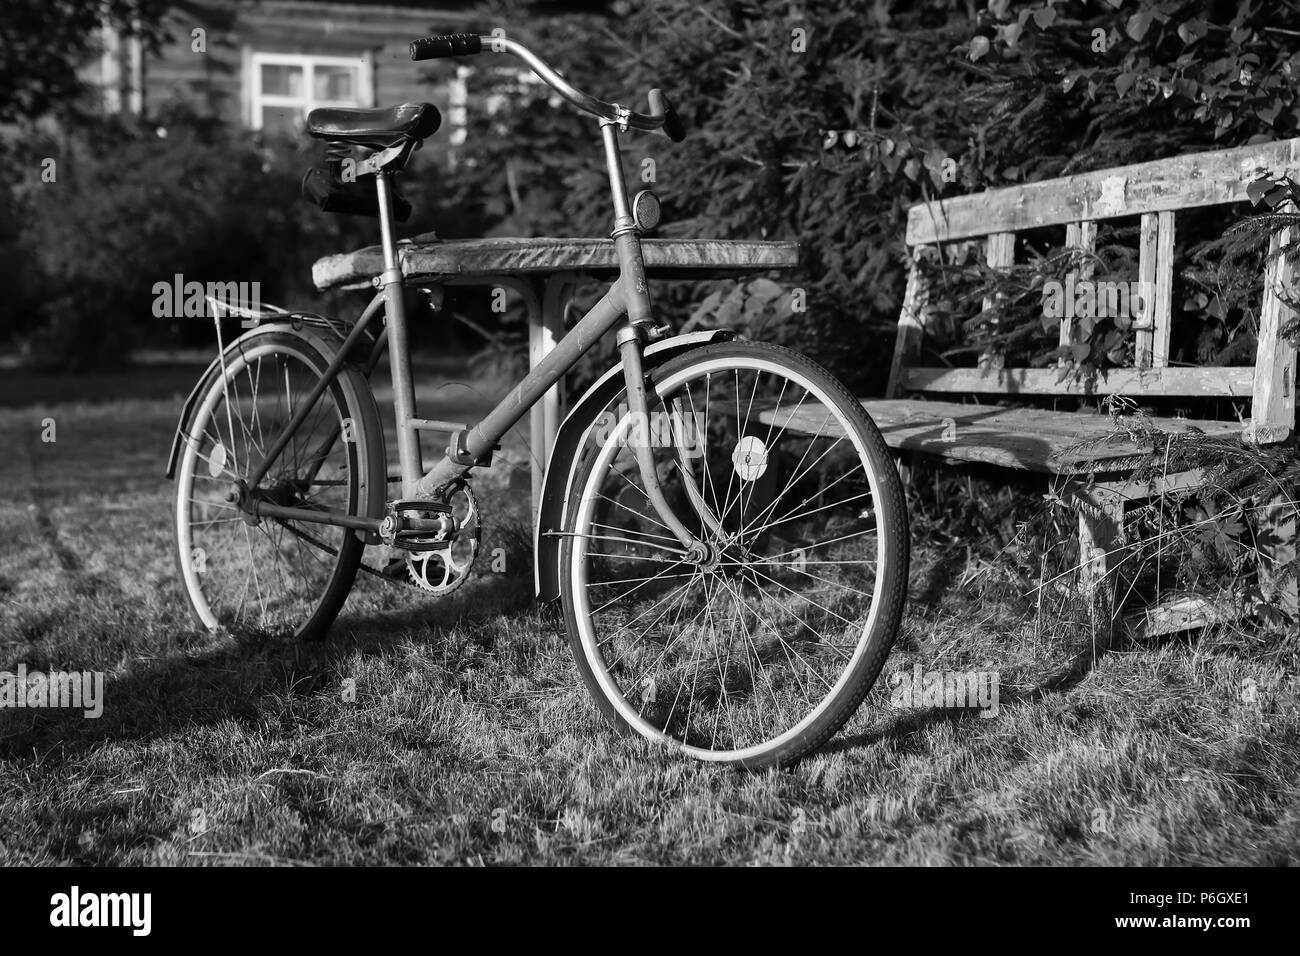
[323, 344]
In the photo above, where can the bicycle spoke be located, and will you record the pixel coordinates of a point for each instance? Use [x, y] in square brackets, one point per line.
[822, 544]
[685, 590]
[645, 534]
[807, 514]
[767, 443]
[739, 604]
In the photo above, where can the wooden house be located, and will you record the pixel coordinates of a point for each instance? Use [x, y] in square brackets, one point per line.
[267, 64]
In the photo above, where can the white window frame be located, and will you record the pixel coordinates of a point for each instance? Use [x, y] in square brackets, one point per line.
[458, 105]
[363, 66]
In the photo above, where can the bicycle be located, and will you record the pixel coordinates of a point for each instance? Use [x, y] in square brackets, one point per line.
[731, 549]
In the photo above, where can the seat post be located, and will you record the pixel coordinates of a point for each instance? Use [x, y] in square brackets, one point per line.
[399, 351]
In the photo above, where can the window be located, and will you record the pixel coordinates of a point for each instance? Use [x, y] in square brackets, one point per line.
[285, 87]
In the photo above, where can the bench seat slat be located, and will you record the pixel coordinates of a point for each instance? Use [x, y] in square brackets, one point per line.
[1023, 438]
[431, 258]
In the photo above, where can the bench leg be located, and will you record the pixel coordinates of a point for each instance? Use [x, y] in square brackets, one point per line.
[545, 329]
[1101, 536]
[1278, 549]
[904, 463]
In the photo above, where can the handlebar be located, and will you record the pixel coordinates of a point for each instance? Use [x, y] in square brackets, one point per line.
[661, 116]
[451, 44]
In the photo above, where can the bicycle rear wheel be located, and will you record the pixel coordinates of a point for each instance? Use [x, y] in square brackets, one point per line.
[276, 577]
[762, 651]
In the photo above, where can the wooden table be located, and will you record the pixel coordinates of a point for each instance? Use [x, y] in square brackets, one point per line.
[545, 272]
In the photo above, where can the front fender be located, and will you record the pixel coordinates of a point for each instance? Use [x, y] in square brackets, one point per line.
[568, 442]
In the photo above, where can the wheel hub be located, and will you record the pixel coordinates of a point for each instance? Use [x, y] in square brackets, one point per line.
[704, 554]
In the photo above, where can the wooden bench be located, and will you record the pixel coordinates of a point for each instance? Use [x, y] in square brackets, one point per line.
[922, 413]
[544, 272]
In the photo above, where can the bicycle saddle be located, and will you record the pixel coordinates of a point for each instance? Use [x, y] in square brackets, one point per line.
[379, 128]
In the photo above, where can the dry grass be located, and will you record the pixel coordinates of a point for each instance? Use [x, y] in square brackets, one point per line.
[470, 741]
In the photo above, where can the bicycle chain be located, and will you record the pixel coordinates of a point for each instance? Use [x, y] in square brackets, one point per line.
[316, 542]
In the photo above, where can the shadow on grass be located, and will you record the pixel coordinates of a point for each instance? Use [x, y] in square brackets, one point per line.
[248, 680]
[913, 722]
[1069, 676]
[239, 679]
[907, 727]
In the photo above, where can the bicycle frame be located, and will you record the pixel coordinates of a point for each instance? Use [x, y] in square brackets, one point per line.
[627, 297]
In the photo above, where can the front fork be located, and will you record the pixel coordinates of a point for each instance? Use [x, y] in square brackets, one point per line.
[629, 347]
[636, 293]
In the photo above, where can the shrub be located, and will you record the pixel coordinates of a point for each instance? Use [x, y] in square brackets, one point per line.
[133, 205]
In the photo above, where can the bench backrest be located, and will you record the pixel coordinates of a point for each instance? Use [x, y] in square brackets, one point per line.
[1155, 191]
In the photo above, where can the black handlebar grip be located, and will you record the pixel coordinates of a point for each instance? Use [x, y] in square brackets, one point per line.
[673, 126]
[452, 44]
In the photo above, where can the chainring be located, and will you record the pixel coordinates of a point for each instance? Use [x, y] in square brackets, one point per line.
[445, 565]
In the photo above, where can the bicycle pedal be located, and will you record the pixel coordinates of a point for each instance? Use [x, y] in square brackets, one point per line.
[419, 542]
[417, 524]
[422, 505]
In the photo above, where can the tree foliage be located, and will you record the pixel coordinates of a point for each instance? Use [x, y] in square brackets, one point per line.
[821, 121]
[829, 136]
[105, 211]
[43, 44]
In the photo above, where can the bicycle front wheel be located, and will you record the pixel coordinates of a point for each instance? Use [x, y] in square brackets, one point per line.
[276, 576]
[760, 652]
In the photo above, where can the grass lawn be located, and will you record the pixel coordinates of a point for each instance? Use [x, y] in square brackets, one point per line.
[456, 731]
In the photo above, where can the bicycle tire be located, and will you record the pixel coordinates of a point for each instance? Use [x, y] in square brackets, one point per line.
[892, 540]
[361, 459]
